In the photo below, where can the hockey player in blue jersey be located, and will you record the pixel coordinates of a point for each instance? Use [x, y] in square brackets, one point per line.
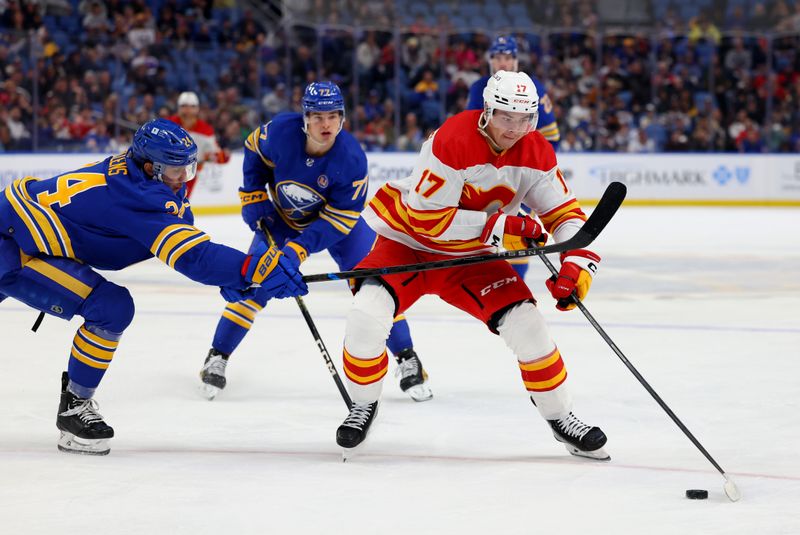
[306, 179]
[503, 57]
[109, 215]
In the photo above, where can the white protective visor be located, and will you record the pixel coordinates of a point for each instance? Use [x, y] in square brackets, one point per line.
[177, 172]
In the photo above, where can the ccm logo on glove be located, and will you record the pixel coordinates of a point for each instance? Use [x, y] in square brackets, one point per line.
[575, 275]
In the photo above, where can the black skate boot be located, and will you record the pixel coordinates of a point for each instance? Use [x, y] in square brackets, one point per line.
[354, 429]
[412, 375]
[213, 373]
[82, 427]
[579, 438]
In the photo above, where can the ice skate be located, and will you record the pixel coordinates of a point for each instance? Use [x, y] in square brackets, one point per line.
[580, 439]
[213, 374]
[355, 427]
[82, 427]
[413, 377]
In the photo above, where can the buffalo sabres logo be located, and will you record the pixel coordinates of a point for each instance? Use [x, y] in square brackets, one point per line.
[322, 181]
[297, 200]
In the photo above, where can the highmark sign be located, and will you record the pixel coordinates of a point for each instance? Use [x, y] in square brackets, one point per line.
[681, 179]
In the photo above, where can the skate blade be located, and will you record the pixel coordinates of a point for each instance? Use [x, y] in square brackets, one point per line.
[209, 391]
[69, 443]
[596, 455]
[420, 392]
[350, 453]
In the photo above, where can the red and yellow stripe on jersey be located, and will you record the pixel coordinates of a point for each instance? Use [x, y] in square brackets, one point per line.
[545, 373]
[424, 225]
[553, 219]
[242, 313]
[44, 226]
[365, 371]
[175, 240]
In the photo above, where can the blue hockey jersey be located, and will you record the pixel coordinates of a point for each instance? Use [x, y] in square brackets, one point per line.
[546, 125]
[320, 198]
[110, 215]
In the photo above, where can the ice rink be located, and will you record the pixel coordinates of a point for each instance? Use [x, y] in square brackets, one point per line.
[705, 302]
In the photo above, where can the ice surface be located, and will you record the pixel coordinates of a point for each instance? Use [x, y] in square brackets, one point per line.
[705, 302]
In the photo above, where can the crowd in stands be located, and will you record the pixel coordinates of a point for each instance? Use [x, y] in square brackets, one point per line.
[701, 75]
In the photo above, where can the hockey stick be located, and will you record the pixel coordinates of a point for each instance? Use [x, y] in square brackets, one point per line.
[314, 332]
[730, 488]
[606, 208]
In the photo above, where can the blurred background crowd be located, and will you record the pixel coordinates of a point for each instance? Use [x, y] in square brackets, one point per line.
[623, 75]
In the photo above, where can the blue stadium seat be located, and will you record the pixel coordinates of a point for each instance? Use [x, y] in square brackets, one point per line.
[71, 25]
[430, 112]
[51, 23]
[440, 8]
[469, 10]
[701, 98]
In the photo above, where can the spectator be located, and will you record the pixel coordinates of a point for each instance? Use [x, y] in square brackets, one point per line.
[275, 101]
[96, 19]
[749, 139]
[571, 143]
[702, 29]
[411, 140]
[427, 87]
[639, 142]
[17, 130]
[738, 57]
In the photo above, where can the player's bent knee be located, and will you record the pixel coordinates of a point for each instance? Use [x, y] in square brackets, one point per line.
[524, 330]
[109, 307]
[369, 320]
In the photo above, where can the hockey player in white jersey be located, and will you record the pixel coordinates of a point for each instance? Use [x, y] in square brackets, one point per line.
[471, 175]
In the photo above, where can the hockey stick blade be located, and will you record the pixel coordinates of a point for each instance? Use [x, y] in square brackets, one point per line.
[606, 208]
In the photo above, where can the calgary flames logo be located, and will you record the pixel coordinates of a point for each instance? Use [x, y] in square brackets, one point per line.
[494, 198]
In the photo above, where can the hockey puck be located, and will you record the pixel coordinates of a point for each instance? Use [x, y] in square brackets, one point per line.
[697, 494]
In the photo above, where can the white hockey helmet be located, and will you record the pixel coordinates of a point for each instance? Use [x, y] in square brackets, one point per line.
[188, 98]
[511, 91]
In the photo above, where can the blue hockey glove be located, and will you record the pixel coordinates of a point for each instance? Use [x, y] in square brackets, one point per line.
[234, 295]
[269, 268]
[256, 205]
[294, 253]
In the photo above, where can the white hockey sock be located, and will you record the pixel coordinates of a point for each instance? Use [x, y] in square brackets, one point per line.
[368, 324]
[525, 332]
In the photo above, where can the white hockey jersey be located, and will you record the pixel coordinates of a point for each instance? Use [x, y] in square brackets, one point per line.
[459, 181]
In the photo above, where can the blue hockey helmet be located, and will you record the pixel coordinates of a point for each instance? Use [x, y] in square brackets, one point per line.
[322, 96]
[504, 44]
[167, 146]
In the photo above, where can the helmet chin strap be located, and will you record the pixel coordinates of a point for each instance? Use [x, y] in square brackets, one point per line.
[483, 122]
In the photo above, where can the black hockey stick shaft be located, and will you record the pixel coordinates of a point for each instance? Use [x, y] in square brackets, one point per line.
[301, 304]
[634, 371]
[606, 208]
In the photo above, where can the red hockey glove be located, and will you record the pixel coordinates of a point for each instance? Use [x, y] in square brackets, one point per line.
[512, 232]
[575, 275]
